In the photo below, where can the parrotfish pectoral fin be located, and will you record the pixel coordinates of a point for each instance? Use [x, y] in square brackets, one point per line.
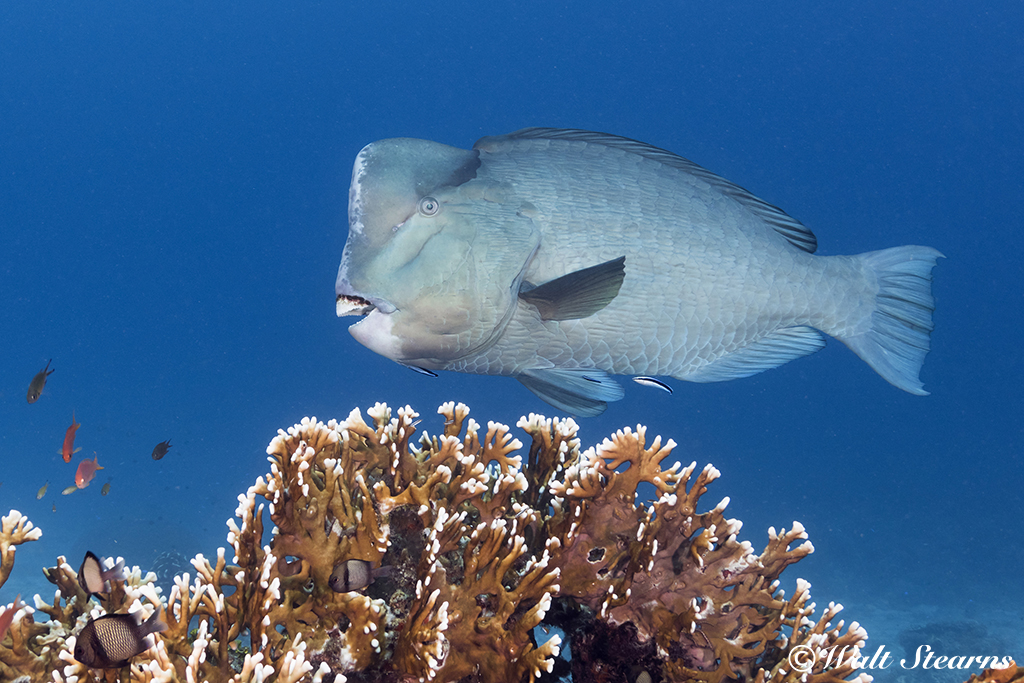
[579, 294]
[582, 392]
[901, 324]
[768, 352]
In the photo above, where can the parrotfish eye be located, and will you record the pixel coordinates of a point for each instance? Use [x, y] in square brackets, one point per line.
[429, 206]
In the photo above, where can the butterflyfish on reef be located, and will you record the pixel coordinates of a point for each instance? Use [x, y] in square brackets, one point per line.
[35, 389]
[160, 450]
[69, 440]
[108, 642]
[94, 578]
[42, 492]
[86, 472]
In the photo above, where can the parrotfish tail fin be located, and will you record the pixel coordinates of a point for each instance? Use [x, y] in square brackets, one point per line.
[898, 340]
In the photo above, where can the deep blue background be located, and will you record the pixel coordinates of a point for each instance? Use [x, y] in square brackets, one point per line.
[173, 188]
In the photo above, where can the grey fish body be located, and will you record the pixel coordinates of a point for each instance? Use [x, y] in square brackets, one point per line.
[717, 284]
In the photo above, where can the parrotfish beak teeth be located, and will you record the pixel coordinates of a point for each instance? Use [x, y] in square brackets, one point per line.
[353, 305]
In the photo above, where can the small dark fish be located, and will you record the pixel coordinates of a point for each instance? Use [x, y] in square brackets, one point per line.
[35, 389]
[54, 507]
[93, 578]
[108, 642]
[651, 382]
[106, 489]
[160, 450]
[355, 575]
[350, 575]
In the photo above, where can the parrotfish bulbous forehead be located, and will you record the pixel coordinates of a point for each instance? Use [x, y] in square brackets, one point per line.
[389, 178]
[431, 252]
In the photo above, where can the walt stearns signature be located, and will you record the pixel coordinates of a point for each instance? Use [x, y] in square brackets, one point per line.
[804, 659]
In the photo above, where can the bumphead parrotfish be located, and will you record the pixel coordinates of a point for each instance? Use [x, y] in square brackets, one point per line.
[561, 257]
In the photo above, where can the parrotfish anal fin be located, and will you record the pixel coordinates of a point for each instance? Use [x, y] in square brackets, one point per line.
[578, 294]
[798, 234]
[768, 352]
[580, 392]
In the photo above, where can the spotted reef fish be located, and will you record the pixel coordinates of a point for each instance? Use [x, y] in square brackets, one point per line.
[562, 257]
[110, 641]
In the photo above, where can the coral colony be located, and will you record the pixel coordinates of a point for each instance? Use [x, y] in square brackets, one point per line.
[437, 560]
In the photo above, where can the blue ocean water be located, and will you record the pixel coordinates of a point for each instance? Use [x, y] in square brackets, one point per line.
[173, 189]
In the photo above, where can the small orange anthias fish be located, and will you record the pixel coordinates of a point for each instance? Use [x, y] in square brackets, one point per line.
[69, 440]
[8, 616]
[35, 389]
[86, 472]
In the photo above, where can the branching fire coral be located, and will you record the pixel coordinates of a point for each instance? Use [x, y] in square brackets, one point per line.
[436, 560]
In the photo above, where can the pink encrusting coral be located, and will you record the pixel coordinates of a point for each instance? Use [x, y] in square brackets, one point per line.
[452, 551]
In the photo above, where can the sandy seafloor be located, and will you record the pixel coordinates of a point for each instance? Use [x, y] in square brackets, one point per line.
[173, 189]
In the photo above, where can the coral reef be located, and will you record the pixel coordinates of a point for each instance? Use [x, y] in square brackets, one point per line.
[1011, 674]
[454, 552]
[15, 529]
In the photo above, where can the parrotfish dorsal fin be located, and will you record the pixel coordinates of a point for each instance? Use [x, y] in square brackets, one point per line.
[578, 294]
[795, 232]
